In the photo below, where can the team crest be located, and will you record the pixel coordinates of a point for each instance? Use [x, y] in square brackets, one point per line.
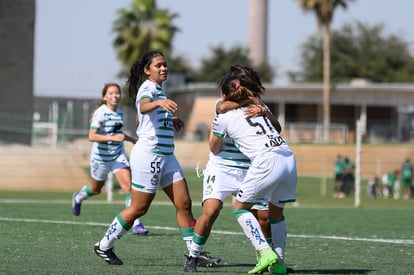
[208, 190]
[155, 180]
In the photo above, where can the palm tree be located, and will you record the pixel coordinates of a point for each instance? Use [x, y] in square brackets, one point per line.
[142, 28]
[324, 11]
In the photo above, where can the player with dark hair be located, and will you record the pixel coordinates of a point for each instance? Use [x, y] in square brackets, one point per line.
[108, 152]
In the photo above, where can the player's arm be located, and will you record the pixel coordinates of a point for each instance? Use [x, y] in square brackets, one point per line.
[215, 142]
[130, 139]
[273, 120]
[147, 105]
[258, 109]
[226, 105]
[94, 136]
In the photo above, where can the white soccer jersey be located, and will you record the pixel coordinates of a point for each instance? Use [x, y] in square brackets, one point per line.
[229, 156]
[107, 122]
[252, 136]
[155, 130]
[272, 173]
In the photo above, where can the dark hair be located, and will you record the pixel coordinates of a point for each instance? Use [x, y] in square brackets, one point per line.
[137, 75]
[248, 78]
[234, 90]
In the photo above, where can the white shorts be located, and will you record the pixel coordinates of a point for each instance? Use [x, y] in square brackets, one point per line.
[150, 172]
[219, 182]
[272, 176]
[100, 170]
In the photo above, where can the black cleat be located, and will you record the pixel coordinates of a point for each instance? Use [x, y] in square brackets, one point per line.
[207, 261]
[190, 264]
[108, 255]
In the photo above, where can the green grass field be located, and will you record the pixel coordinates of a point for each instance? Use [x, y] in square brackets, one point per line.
[39, 235]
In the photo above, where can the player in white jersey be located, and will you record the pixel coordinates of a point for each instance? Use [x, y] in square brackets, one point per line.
[153, 163]
[108, 152]
[272, 173]
[222, 176]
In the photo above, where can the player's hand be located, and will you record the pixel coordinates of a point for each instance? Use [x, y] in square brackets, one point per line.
[255, 110]
[118, 137]
[168, 105]
[178, 123]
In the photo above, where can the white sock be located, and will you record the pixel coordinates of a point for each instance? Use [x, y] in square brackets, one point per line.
[197, 245]
[188, 242]
[279, 233]
[195, 250]
[187, 235]
[83, 194]
[127, 202]
[252, 230]
[114, 232]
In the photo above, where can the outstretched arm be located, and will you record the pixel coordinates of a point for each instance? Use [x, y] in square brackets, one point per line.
[147, 105]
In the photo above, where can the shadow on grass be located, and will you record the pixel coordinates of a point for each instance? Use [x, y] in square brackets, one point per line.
[155, 234]
[298, 271]
[329, 271]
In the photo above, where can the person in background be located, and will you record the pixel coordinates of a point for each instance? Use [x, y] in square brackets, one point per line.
[339, 176]
[374, 188]
[348, 178]
[407, 178]
[391, 184]
[108, 152]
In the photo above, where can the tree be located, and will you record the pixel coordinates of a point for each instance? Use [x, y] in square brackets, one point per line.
[358, 51]
[324, 11]
[142, 28]
[214, 67]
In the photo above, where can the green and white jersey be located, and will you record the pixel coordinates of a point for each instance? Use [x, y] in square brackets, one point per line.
[155, 130]
[107, 123]
[229, 156]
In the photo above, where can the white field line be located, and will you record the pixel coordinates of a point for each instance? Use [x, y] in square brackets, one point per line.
[375, 240]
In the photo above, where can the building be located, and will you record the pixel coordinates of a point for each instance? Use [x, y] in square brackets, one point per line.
[387, 110]
[17, 20]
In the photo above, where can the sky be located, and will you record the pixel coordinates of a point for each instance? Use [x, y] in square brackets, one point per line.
[74, 55]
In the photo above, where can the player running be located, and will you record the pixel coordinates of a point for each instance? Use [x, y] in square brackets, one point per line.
[108, 152]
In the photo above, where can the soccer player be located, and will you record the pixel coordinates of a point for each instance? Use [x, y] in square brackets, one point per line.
[153, 163]
[108, 152]
[272, 173]
[223, 174]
